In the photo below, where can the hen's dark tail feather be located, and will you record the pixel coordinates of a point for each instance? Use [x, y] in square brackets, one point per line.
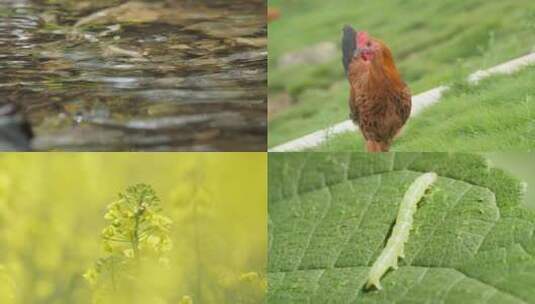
[349, 45]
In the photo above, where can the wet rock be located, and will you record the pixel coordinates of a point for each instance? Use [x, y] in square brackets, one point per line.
[128, 12]
[112, 50]
[49, 17]
[180, 47]
[221, 29]
[142, 12]
[110, 30]
[15, 131]
[255, 42]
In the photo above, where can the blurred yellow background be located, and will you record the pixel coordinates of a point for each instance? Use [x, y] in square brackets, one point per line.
[51, 215]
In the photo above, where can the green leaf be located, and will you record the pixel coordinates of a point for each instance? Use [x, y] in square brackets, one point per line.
[331, 214]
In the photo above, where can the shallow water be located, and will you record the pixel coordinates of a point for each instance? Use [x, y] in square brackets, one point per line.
[174, 83]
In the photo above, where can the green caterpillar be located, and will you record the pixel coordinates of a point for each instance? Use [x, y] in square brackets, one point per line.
[400, 234]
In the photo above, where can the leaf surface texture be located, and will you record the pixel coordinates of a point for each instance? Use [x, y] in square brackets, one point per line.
[331, 214]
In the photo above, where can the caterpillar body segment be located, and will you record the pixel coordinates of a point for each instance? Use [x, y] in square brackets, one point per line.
[400, 233]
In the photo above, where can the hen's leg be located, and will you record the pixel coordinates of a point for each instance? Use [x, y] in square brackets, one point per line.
[372, 146]
[384, 147]
[375, 146]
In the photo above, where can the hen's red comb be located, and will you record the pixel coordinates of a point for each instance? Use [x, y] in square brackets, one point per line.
[362, 38]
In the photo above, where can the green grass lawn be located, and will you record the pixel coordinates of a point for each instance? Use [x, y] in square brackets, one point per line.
[434, 42]
[496, 115]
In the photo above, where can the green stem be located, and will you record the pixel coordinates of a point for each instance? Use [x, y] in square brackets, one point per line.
[135, 236]
[135, 239]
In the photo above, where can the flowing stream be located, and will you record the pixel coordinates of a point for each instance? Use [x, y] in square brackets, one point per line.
[147, 76]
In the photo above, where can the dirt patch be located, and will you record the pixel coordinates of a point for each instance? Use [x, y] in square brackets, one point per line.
[278, 103]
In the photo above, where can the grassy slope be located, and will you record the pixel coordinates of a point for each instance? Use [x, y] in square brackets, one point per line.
[496, 115]
[434, 42]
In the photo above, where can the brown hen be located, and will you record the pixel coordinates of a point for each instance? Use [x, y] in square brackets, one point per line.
[379, 100]
[273, 14]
